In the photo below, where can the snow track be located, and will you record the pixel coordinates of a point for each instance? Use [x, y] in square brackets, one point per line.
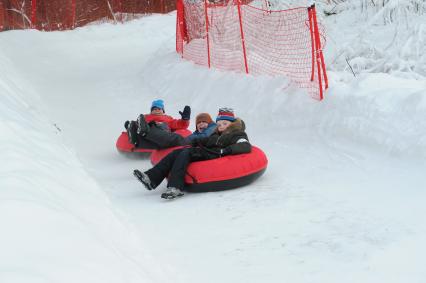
[343, 193]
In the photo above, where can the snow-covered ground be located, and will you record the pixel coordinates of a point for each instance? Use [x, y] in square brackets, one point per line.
[341, 201]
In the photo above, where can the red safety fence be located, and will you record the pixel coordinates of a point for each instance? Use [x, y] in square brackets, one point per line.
[51, 15]
[237, 36]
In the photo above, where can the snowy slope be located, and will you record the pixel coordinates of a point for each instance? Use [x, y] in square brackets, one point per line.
[343, 193]
[57, 224]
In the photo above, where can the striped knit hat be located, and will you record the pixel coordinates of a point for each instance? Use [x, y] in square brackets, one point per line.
[226, 114]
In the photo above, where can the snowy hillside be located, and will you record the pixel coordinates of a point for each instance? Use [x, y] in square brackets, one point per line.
[341, 200]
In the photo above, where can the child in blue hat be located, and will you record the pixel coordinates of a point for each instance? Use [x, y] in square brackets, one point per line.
[155, 130]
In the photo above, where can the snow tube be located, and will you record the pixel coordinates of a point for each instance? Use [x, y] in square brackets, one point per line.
[124, 145]
[223, 173]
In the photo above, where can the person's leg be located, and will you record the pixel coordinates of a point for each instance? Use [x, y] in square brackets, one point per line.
[146, 144]
[160, 171]
[177, 175]
[136, 130]
[163, 138]
[176, 180]
[178, 169]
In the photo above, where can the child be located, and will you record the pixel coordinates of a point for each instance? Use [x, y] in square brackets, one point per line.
[155, 130]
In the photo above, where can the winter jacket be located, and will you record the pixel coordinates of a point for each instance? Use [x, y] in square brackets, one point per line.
[172, 124]
[205, 133]
[232, 141]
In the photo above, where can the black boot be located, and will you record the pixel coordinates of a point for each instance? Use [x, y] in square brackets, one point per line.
[144, 179]
[132, 133]
[143, 127]
[126, 124]
[172, 193]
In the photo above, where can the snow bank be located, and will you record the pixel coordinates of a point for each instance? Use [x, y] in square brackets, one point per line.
[56, 223]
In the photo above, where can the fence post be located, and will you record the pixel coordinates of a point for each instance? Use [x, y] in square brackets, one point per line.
[72, 18]
[320, 56]
[317, 55]
[311, 29]
[117, 8]
[207, 33]
[162, 7]
[181, 32]
[33, 13]
[2, 20]
[242, 35]
[120, 9]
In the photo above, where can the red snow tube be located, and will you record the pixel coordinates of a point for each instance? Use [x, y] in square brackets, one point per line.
[223, 173]
[124, 145]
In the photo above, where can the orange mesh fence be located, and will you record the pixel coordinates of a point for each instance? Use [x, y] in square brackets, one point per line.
[241, 37]
[67, 14]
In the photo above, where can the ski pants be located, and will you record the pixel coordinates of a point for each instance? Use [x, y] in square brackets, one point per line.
[159, 138]
[174, 165]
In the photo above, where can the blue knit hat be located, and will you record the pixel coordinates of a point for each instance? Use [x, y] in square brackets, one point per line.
[226, 114]
[159, 103]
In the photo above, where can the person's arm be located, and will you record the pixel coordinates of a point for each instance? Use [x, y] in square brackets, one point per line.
[208, 131]
[204, 134]
[200, 141]
[183, 123]
[241, 145]
[178, 124]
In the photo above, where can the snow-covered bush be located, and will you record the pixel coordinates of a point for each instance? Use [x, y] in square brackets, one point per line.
[370, 36]
[386, 36]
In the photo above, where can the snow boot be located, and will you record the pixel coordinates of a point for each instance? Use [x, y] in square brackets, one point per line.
[132, 133]
[144, 179]
[172, 193]
[143, 127]
[126, 124]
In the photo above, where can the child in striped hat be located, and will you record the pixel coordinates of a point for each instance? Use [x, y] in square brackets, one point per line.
[224, 118]
[226, 113]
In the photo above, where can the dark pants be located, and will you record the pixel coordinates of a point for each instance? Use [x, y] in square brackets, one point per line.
[159, 138]
[175, 164]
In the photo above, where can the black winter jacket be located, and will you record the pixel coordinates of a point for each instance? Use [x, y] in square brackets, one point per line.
[233, 140]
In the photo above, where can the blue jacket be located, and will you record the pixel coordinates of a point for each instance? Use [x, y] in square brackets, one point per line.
[206, 133]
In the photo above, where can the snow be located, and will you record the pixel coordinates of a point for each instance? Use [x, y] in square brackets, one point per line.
[342, 198]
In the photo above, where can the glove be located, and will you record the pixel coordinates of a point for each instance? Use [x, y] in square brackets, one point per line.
[194, 143]
[225, 151]
[196, 154]
[186, 114]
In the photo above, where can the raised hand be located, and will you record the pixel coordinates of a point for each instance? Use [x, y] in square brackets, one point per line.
[186, 113]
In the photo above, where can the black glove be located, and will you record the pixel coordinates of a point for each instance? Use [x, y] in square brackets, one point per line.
[225, 151]
[197, 154]
[186, 114]
[194, 143]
